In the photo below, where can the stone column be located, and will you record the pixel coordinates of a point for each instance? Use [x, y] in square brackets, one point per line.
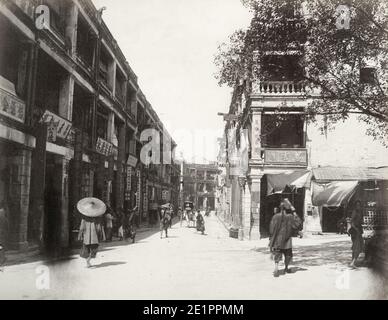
[66, 94]
[246, 209]
[71, 28]
[111, 126]
[38, 179]
[62, 181]
[256, 135]
[255, 175]
[19, 198]
[120, 168]
[255, 207]
[112, 76]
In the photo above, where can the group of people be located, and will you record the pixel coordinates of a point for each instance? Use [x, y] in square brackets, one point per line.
[194, 219]
[123, 223]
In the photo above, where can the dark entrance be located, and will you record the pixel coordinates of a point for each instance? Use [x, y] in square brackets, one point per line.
[272, 201]
[52, 205]
[331, 217]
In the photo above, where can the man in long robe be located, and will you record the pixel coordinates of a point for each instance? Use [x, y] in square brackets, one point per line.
[283, 226]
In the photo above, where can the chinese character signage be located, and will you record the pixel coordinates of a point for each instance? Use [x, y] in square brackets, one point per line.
[131, 161]
[129, 180]
[12, 106]
[60, 127]
[104, 147]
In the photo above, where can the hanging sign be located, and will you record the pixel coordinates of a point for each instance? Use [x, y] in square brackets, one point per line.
[131, 161]
[104, 147]
[62, 125]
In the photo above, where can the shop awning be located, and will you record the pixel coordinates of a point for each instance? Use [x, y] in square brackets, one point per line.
[276, 183]
[332, 194]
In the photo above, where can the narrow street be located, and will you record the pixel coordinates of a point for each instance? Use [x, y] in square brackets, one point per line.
[189, 265]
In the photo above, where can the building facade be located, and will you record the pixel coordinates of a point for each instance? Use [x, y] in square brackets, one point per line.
[199, 184]
[71, 122]
[267, 142]
[265, 134]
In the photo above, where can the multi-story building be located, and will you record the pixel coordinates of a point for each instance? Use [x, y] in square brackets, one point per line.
[71, 117]
[199, 184]
[266, 126]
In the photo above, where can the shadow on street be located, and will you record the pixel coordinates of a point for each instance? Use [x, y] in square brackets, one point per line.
[329, 253]
[108, 264]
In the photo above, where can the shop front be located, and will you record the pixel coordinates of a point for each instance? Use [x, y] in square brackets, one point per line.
[275, 187]
[15, 170]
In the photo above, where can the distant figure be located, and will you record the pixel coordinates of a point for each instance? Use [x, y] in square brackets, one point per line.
[109, 224]
[341, 226]
[200, 222]
[355, 231]
[165, 218]
[283, 226]
[131, 228]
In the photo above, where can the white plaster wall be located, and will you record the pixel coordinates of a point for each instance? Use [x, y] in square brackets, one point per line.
[347, 145]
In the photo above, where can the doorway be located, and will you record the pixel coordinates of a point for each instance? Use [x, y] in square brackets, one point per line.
[52, 204]
[331, 217]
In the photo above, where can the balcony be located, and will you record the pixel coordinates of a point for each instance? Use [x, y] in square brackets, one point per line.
[278, 88]
[285, 157]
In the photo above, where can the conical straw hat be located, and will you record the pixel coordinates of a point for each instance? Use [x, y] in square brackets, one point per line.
[91, 207]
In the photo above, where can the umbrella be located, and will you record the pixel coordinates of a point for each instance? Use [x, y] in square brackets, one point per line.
[91, 207]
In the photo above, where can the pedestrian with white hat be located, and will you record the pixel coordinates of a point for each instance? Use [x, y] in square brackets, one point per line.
[91, 231]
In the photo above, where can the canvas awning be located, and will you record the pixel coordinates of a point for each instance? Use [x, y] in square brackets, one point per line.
[332, 194]
[276, 183]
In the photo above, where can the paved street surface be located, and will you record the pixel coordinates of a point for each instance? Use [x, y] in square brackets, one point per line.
[189, 265]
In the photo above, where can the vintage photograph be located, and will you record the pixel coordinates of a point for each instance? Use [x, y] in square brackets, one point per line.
[193, 150]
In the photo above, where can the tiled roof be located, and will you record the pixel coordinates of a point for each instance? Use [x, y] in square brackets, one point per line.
[348, 174]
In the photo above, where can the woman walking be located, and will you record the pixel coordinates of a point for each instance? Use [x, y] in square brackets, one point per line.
[91, 231]
[356, 232]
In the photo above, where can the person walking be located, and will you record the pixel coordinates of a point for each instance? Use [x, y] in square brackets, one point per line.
[165, 218]
[91, 231]
[109, 224]
[283, 226]
[355, 231]
[200, 222]
[132, 217]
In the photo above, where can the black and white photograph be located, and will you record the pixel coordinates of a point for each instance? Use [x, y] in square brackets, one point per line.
[193, 150]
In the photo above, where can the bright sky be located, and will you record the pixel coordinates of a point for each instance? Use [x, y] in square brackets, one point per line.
[170, 44]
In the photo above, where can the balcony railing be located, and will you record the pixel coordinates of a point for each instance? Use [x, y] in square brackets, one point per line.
[279, 88]
[285, 156]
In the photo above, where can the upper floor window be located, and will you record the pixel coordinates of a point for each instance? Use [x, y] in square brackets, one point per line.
[13, 60]
[86, 41]
[102, 123]
[120, 85]
[281, 68]
[285, 132]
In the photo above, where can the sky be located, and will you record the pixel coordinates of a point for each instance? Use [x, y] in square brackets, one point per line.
[170, 45]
